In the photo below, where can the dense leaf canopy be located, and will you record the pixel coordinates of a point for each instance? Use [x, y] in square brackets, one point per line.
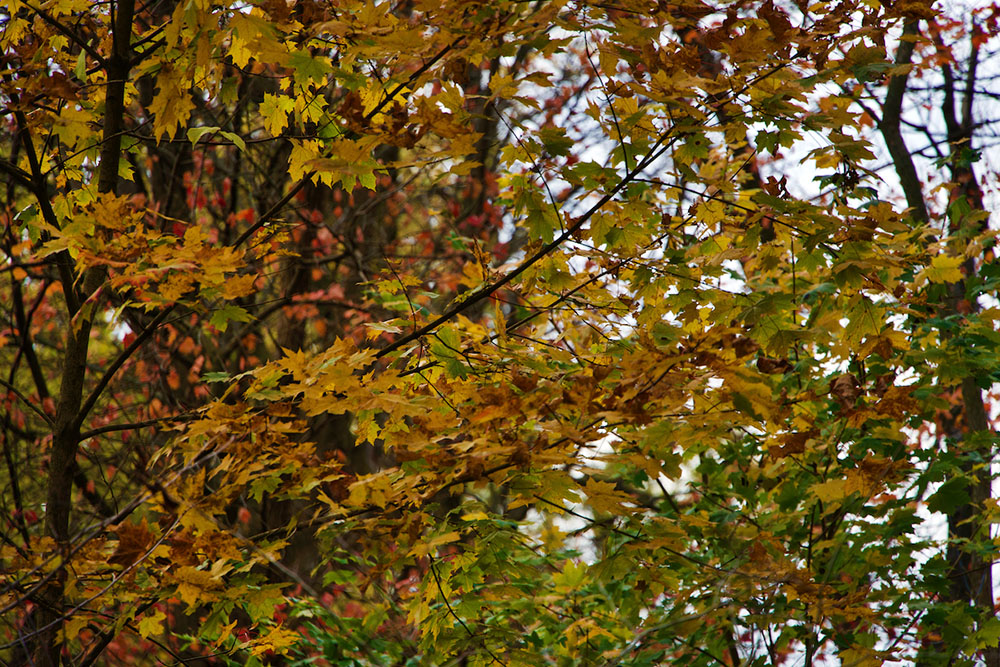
[443, 332]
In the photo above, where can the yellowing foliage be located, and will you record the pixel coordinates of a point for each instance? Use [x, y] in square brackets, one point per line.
[560, 332]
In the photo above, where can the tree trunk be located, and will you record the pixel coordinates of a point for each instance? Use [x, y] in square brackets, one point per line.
[68, 419]
[970, 572]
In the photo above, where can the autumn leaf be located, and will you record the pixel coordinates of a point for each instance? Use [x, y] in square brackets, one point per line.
[195, 586]
[151, 624]
[943, 269]
[134, 540]
[276, 639]
[605, 498]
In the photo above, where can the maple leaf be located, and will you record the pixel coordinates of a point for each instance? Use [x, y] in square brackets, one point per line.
[151, 624]
[274, 112]
[943, 269]
[134, 541]
[276, 639]
[172, 105]
[196, 586]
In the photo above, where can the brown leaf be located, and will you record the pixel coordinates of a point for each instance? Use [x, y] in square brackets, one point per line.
[792, 443]
[61, 87]
[882, 383]
[457, 71]
[133, 542]
[776, 19]
[182, 549]
[883, 348]
[767, 231]
[774, 187]
[758, 554]
[744, 347]
[765, 365]
[897, 402]
[353, 110]
[845, 389]
[523, 381]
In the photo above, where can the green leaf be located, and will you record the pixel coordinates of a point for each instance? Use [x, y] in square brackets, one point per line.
[194, 134]
[952, 494]
[988, 633]
[308, 68]
[743, 404]
[367, 179]
[235, 138]
[555, 141]
[80, 71]
[259, 603]
[221, 317]
[540, 221]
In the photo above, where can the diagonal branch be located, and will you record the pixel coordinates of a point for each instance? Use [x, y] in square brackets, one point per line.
[19, 175]
[655, 152]
[24, 399]
[73, 37]
[122, 357]
[274, 210]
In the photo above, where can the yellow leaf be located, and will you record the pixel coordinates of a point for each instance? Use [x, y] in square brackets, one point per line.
[72, 125]
[832, 490]
[225, 633]
[302, 153]
[376, 329]
[571, 577]
[237, 286]
[274, 112]
[489, 413]
[861, 657]
[195, 586]
[943, 269]
[72, 627]
[172, 105]
[151, 624]
[424, 548]
[604, 497]
[277, 639]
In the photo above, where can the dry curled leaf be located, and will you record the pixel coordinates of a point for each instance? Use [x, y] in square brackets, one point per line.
[845, 389]
[134, 539]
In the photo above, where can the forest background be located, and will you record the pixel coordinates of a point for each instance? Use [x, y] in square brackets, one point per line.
[512, 332]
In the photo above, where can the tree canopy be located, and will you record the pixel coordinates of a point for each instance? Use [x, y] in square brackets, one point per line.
[519, 332]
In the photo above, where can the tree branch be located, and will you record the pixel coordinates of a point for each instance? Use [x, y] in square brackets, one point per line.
[122, 357]
[891, 111]
[73, 37]
[24, 399]
[655, 152]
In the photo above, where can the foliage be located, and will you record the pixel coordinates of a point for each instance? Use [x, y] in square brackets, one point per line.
[383, 333]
